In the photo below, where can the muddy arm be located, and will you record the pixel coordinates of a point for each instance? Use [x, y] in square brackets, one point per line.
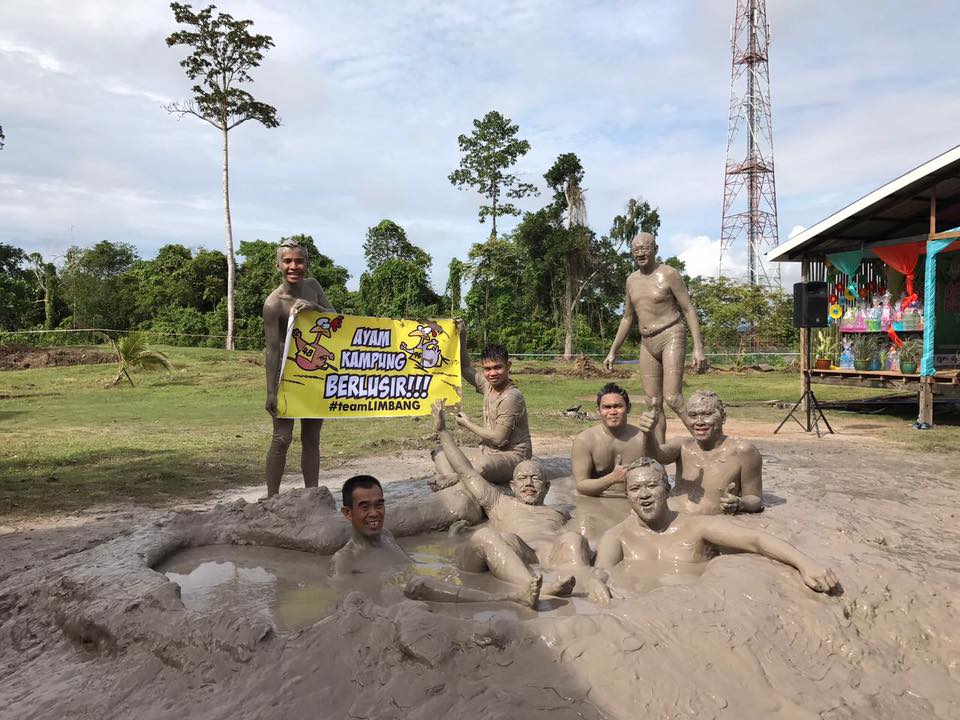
[478, 488]
[272, 317]
[693, 322]
[666, 453]
[629, 316]
[467, 371]
[751, 480]
[719, 531]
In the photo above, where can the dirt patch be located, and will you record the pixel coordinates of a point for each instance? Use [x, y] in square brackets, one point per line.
[23, 357]
[581, 367]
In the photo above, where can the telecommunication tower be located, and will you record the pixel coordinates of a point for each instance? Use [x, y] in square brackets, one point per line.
[749, 189]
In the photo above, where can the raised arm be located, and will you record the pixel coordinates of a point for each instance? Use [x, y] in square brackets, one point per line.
[273, 316]
[629, 316]
[720, 531]
[478, 488]
[690, 315]
[665, 453]
[467, 371]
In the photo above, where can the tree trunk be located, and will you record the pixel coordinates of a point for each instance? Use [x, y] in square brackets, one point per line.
[231, 262]
[49, 282]
[493, 232]
[568, 303]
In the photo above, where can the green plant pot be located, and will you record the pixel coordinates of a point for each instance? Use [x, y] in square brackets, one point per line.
[861, 364]
[908, 368]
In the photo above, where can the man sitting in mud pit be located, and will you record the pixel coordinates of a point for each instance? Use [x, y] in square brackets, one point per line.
[715, 473]
[654, 532]
[601, 454]
[505, 435]
[373, 549]
[521, 532]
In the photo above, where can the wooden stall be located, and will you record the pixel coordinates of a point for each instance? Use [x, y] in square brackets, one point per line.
[901, 237]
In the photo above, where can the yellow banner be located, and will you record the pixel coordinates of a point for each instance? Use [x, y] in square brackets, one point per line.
[339, 366]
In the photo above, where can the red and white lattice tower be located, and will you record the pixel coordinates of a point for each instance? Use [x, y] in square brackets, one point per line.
[749, 190]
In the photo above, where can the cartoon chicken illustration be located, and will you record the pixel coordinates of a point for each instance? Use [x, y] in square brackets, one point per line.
[312, 355]
[426, 353]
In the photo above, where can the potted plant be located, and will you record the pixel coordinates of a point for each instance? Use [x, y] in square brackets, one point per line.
[825, 350]
[862, 347]
[910, 353]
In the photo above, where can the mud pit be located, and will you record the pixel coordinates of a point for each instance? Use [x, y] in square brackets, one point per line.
[88, 630]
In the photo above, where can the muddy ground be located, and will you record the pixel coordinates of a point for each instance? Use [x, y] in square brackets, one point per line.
[88, 630]
[23, 357]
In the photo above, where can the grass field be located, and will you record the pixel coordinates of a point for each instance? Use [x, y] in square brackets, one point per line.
[68, 442]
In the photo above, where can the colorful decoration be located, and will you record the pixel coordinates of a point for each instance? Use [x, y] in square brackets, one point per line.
[836, 312]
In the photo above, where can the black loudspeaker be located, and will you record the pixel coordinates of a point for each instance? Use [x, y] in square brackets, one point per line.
[810, 305]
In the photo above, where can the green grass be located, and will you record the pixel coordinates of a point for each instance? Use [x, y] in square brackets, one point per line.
[68, 442]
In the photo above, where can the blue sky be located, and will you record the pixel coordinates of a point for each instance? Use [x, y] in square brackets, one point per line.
[372, 96]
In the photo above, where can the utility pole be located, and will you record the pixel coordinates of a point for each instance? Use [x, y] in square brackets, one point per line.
[749, 188]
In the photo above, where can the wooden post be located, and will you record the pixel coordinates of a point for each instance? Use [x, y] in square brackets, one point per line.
[926, 400]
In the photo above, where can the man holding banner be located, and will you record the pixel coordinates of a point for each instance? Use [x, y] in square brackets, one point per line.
[295, 293]
[505, 434]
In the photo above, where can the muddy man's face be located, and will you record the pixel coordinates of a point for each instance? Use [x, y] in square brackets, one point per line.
[613, 410]
[293, 266]
[367, 512]
[706, 419]
[643, 249]
[528, 484]
[497, 373]
[647, 493]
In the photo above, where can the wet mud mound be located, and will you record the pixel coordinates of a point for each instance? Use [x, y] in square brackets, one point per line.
[97, 633]
[22, 357]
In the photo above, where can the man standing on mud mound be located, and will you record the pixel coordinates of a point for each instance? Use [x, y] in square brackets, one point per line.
[653, 532]
[505, 435]
[521, 532]
[373, 549]
[296, 292]
[715, 473]
[601, 454]
[656, 298]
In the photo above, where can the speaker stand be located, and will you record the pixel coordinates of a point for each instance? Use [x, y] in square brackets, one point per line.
[813, 418]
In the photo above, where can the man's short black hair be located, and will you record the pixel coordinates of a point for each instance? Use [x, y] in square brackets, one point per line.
[495, 352]
[615, 389]
[358, 481]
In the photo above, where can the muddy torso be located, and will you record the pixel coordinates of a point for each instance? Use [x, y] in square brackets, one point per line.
[653, 299]
[533, 523]
[355, 557]
[506, 406]
[606, 447]
[681, 542]
[703, 476]
[281, 302]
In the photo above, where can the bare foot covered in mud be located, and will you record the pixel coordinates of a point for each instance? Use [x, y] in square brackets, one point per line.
[561, 587]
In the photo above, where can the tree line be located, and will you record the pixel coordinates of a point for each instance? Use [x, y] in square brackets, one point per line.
[550, 285]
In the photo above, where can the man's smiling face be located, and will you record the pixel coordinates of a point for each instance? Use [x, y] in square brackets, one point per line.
[528, 485]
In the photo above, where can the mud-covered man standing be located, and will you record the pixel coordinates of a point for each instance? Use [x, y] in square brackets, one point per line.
[296, 292]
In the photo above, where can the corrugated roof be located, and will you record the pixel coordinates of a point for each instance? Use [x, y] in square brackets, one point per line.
[899, 209]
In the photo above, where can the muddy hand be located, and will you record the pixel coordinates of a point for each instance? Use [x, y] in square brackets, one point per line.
[608, 362]
[647, 421]
[439, 422]
[460, 325]
[730, 500]
[619, 471]
[819, 578]
[271, 405]
[699, 362]
[462, 419]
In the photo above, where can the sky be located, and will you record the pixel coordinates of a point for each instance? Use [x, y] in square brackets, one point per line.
[372, 96]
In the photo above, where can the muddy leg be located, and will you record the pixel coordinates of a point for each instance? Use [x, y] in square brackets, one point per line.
[310, 451]
[433, 590]
[674, 354]
[277, 453]
[651, 375]
[489, 549]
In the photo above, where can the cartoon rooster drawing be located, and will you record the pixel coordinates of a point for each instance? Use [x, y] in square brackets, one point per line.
[426, 353]
[312, 355]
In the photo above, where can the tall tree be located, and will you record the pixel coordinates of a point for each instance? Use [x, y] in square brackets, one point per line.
[98, 286]
[387, 240]
[223, 53]
[565, 177]
[45, 275]
[488, 154]
[15, 295]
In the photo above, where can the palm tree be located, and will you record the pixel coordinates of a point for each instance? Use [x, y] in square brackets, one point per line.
[133, 353]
